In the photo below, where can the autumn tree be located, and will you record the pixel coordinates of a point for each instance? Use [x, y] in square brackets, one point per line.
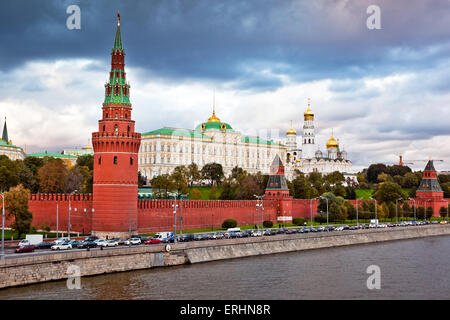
[16, 204]
[52, 176]
[194, 173]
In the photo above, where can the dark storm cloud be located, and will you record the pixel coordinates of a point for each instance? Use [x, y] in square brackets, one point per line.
[183, 39]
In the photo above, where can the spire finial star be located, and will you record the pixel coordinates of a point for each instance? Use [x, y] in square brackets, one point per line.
[118, 18]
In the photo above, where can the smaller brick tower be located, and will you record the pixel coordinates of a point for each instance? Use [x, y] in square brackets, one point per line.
[116, 148]
[277, 189]
[430, 192]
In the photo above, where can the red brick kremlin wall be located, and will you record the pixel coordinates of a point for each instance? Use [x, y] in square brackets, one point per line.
[157, 215]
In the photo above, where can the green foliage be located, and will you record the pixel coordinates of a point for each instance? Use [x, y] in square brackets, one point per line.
[16, 204]
[443, 212]
[229, 223]
[429, 212]
[196, 195]
[420, 213]
[213, 193]
[388, 192]
[45, 227]
[267, 224]
[213, 172]
[299, 221]
[193, 173]
[351, 210]
[161, 186]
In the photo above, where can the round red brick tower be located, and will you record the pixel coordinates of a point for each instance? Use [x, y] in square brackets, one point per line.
[116, 147]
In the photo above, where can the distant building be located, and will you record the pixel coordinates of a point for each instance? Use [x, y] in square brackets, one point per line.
[68, 159]
[212, 141]
[8, 149]
[79, 152]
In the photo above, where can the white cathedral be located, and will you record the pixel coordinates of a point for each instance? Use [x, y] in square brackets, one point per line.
[309, 158]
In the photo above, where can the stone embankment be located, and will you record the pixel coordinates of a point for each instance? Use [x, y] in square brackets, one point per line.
[43, 267]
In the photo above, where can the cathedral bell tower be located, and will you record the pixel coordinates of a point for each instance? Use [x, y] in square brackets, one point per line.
[116, 148]
[308, 144]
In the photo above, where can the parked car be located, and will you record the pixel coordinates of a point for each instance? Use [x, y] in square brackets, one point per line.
[443, 222]
[219, 235]
[320, 229]
[305, 230]
[187, 237]
[257, 234]
[152, 241]
[291, 231]
[25, 248]
[87, 244]
[62, 246]
[133, 241]
[329, 228]
[118, 240]
[44, 245]
[353, 228]
[112, 243]
[339, 228]
[91, 238]
[74, 243]
[231, 235]
[101, 243]
[267, 232]
[138, 236]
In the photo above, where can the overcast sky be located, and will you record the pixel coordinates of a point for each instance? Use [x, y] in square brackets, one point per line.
[383, 92]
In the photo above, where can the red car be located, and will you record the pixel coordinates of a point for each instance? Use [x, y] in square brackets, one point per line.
[25, 249]
[152, 241]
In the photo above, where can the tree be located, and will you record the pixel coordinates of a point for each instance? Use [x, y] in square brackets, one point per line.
[339, 191]
[410, 181]
[213, 172]
[8, 173]
[213, 193]
[52, 176]
[374, 170]
[196, 195]
[141, 180]
[406, 208]
[351, 211]
[443, 212]
[16, 204]
[388, 192]
[336, 212]
[384, 177]
[86, 161]
[335, 178]
[193, 174]
[180, 178]
[392, 210]
[229, 223]
[74, 180]
[248, 187]
[161, 186]
[429, 212]
[420, 212]
[302, 187]
[228, 190]
[350, 193]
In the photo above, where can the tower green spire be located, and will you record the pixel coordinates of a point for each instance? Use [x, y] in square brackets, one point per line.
[118, 39]
[5, 133]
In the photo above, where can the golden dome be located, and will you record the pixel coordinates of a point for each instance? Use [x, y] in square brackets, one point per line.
[332, 143]
[309, 114]
[291, 131]
[214, 118]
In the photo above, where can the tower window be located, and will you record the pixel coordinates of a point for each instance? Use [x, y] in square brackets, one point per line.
[115, 159]
[116, 116]
[126, 115]
[131, 161]
[99, 160]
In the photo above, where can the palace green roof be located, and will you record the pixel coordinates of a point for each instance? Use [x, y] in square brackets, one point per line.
[176, 133]
[213, 126]
[257, 140]
[3, 143]
[51, 155]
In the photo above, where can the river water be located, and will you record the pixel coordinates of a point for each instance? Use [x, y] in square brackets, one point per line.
[410, 269]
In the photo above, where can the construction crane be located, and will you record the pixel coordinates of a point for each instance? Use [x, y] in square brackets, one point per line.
[401, 162]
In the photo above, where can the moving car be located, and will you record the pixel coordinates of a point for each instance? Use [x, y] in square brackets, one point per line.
[44, 245]
[62, 246]
[26, 248]
[152, 241]
[257, 234]
[133, 241]
[112, 243]
[87, 244]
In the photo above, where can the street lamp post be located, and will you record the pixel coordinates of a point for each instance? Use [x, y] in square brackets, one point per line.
[70, 209]
[175, 206]
[3, 224]
[310, 207]
[415, 208]
[396, 210]
[357, 223]
[327, 207]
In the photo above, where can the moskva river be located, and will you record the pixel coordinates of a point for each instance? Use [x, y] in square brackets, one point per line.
[408, 269]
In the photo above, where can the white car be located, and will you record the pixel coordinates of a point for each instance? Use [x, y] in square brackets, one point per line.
[340, 228]
[101, 243]
[382, 225]
[23, 243]
[112, 243]
[62, 246]
[61, 240]
[257, 234]
[133, 241]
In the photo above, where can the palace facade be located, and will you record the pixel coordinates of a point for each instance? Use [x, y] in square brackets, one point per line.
[212, 141]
